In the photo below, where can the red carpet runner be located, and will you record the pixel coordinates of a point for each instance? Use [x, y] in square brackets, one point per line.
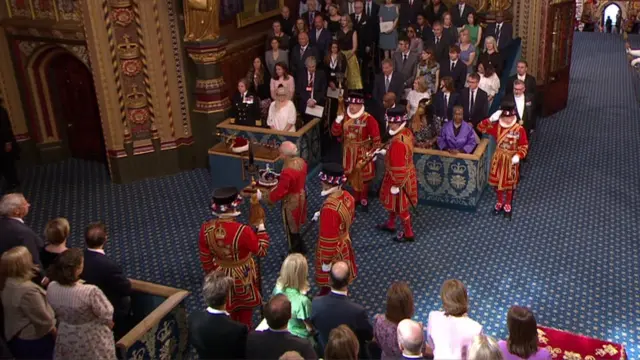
[568, 346]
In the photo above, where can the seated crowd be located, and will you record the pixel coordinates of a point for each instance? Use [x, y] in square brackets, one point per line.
[432, 62]
[58, 302]
[333, 327]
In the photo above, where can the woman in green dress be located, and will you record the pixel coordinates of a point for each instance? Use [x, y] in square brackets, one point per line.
[475, 30]
[294, 283]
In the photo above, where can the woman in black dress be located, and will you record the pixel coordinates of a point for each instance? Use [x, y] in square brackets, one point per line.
[56, 233]
[260, 82]
[348, 43]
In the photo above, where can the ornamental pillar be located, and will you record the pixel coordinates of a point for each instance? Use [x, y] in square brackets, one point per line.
[206, 48]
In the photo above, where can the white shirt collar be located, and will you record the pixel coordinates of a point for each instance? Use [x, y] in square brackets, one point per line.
[518, 98]
[406, 53]
[522, 77]
[17, 219]
[338, 292]
[500, 23]
[330, 191]
[389, 76]
[101, 251]
[211, 310]
[303, 48]
[411, 356]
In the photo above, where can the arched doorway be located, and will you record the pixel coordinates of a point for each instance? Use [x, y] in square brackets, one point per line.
[611, 12]
[76, 107]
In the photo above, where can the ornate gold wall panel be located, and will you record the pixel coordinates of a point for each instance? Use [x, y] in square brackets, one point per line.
[528, 26]
[10, 92]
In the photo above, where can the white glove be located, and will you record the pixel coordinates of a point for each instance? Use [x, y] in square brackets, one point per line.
[496, 116]
[316, 216]
[515, 159]
[339, 119]
[259, 195]
[261, 227]
[395, 190]
[382, 152]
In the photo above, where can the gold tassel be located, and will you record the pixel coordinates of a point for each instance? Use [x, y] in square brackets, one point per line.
[256, 212]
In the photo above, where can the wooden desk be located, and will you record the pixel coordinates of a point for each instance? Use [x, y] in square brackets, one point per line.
[455, 181]
[228, 168]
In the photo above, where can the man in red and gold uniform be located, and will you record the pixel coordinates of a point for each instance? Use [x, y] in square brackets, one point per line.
[291, 190]
[399, 191]
[336, 216]
[360, 135]
[228, 246]
[512, 146]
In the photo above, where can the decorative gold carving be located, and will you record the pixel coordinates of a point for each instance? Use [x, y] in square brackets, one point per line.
[201, 20]
[120, 3]
[128, 50]
[208, 84]
[209, 57]
[135, 99]
[215, 106]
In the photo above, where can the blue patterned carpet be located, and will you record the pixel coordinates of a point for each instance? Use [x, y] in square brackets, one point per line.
[570, 253]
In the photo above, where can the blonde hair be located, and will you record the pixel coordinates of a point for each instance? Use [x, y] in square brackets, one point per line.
[490, 40]
[57, 231]
[484, 347]
[294, 273]
[17, 262]
[349, 22]
[422, 84]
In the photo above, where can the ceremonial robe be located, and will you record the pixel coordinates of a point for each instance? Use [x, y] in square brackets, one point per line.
[291, 190]
[334, 243]
[400, 172]
[227, 245]
[359, 136]
[509, 142]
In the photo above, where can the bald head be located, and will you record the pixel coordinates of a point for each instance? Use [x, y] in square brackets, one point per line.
[14, 205]
[339, 276]
[288, 149]
[410, 337]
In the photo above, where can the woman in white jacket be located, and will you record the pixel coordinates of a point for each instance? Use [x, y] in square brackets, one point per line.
[282, 112]
[489, 80]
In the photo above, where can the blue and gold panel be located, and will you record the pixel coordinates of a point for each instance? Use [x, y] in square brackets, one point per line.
[448, 180]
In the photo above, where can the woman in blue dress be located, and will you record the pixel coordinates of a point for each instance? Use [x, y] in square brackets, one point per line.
[389, 40]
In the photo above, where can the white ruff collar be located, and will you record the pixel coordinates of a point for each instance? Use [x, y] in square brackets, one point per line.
[227, 215]
[356, 115]
[505, 124]
[330, 191]
[393, 132]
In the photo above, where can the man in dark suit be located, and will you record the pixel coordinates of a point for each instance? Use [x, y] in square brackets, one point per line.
[346, 7]
[311, 86]
[474, 100]
[522, 75]
[107, 275]
[286, 21]
[387, 81]
[501, 31]
[310, 15]
[405, 62]
[330, 311]
[409, 10]
[9, 151]
[371, 9]
[212, 332]
[445, 99]
[13, 209]
[525, 105]
[320, 37]
[435, 10]
[439, 42]
[460, 12]
[275, 341]
[301, 52]
[367, 29]
[455, 68]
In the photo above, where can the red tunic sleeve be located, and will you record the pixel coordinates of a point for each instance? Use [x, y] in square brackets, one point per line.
[255, 243]
[336, 129]
[487, 127]
[283, 186]
[523, 143]
[206, 258]
[374, 132]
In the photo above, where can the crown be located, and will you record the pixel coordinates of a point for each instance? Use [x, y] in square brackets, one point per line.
[458, 168]
[127, 49]
[135, 99]
[219, 233]
[120, 3]
[434, 166]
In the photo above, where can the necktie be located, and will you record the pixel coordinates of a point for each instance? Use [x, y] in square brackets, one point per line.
[446, 102]
[386, 83]
[453, 64]
[310, 79]
[437, 40]
[498, 34]
[318, 34]
[311, 17]
[368, 8]
[471, 102]
[357, 18]
[301, 52]
[404, 58]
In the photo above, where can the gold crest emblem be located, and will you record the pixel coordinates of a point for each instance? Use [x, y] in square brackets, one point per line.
[219, 233]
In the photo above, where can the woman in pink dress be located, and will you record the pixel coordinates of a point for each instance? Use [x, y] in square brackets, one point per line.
[282, 77]
[522, 343]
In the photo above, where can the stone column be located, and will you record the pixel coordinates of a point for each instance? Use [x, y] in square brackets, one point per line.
[207, 49]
